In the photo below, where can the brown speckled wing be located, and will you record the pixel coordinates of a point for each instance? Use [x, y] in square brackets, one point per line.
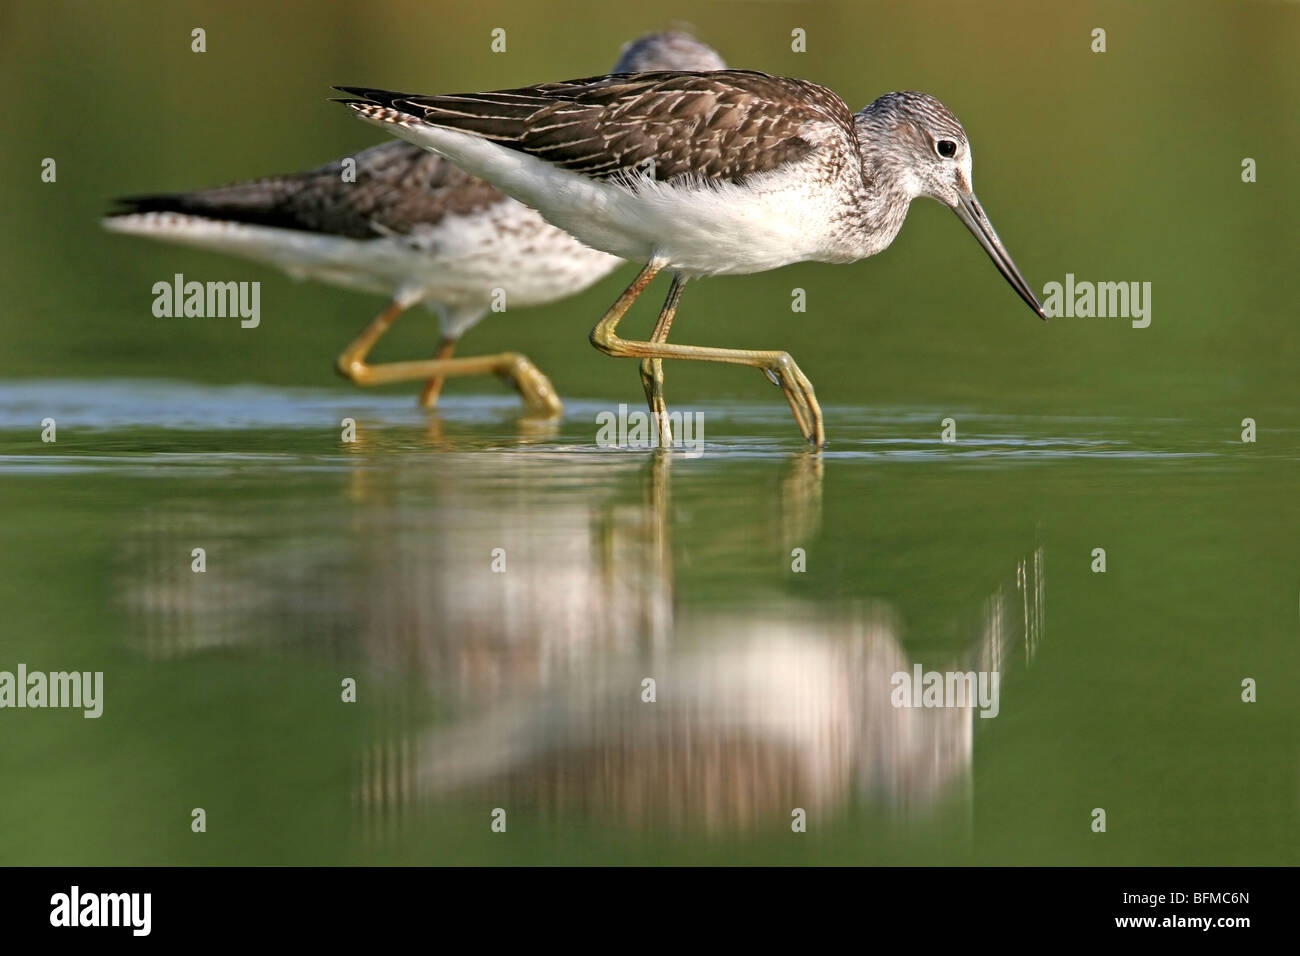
[398, 188]
[721, 126]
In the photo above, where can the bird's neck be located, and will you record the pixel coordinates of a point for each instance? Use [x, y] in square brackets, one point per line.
[884, 209]
[886, 191]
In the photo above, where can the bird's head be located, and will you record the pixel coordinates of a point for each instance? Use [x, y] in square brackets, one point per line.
[921, 144]
[916, 142]
[669, 50]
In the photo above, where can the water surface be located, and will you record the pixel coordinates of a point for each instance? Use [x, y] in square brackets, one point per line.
[522, 689]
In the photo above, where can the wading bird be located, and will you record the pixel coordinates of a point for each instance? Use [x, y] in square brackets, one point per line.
[717, 173]
[401, 221]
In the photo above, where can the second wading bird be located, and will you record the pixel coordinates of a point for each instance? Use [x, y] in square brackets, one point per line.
[719, 173]
[404, 222]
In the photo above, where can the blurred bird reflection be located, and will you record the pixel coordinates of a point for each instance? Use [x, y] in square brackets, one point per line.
[534, 607]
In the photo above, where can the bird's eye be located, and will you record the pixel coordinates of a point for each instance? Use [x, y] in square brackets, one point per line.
[946, 147]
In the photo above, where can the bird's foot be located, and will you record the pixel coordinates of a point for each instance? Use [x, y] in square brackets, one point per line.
[784, 372]
[652, 381]
[534, 387]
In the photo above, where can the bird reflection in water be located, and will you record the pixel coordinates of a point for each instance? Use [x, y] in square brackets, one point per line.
[757, 709]
[526, 689]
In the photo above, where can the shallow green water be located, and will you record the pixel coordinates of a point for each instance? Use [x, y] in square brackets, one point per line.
[521, 690]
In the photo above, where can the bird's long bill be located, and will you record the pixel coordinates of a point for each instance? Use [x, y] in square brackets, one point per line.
[970, 212]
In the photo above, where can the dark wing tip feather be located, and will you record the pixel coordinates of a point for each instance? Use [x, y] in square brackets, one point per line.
[367, 94]
[387, 106]
[156, 202]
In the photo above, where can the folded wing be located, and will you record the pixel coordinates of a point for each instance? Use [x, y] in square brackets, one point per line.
[713, 126]
[394, 188]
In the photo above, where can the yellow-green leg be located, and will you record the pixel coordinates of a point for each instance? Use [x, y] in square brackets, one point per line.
[652, 369]
[533, 386]
[433, 387]
[778, 366]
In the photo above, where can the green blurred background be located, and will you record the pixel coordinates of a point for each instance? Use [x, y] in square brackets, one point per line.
[329, 560]
[1122, 166]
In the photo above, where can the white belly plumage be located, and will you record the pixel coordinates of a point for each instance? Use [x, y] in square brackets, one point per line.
[460, 261]
[716, 229]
